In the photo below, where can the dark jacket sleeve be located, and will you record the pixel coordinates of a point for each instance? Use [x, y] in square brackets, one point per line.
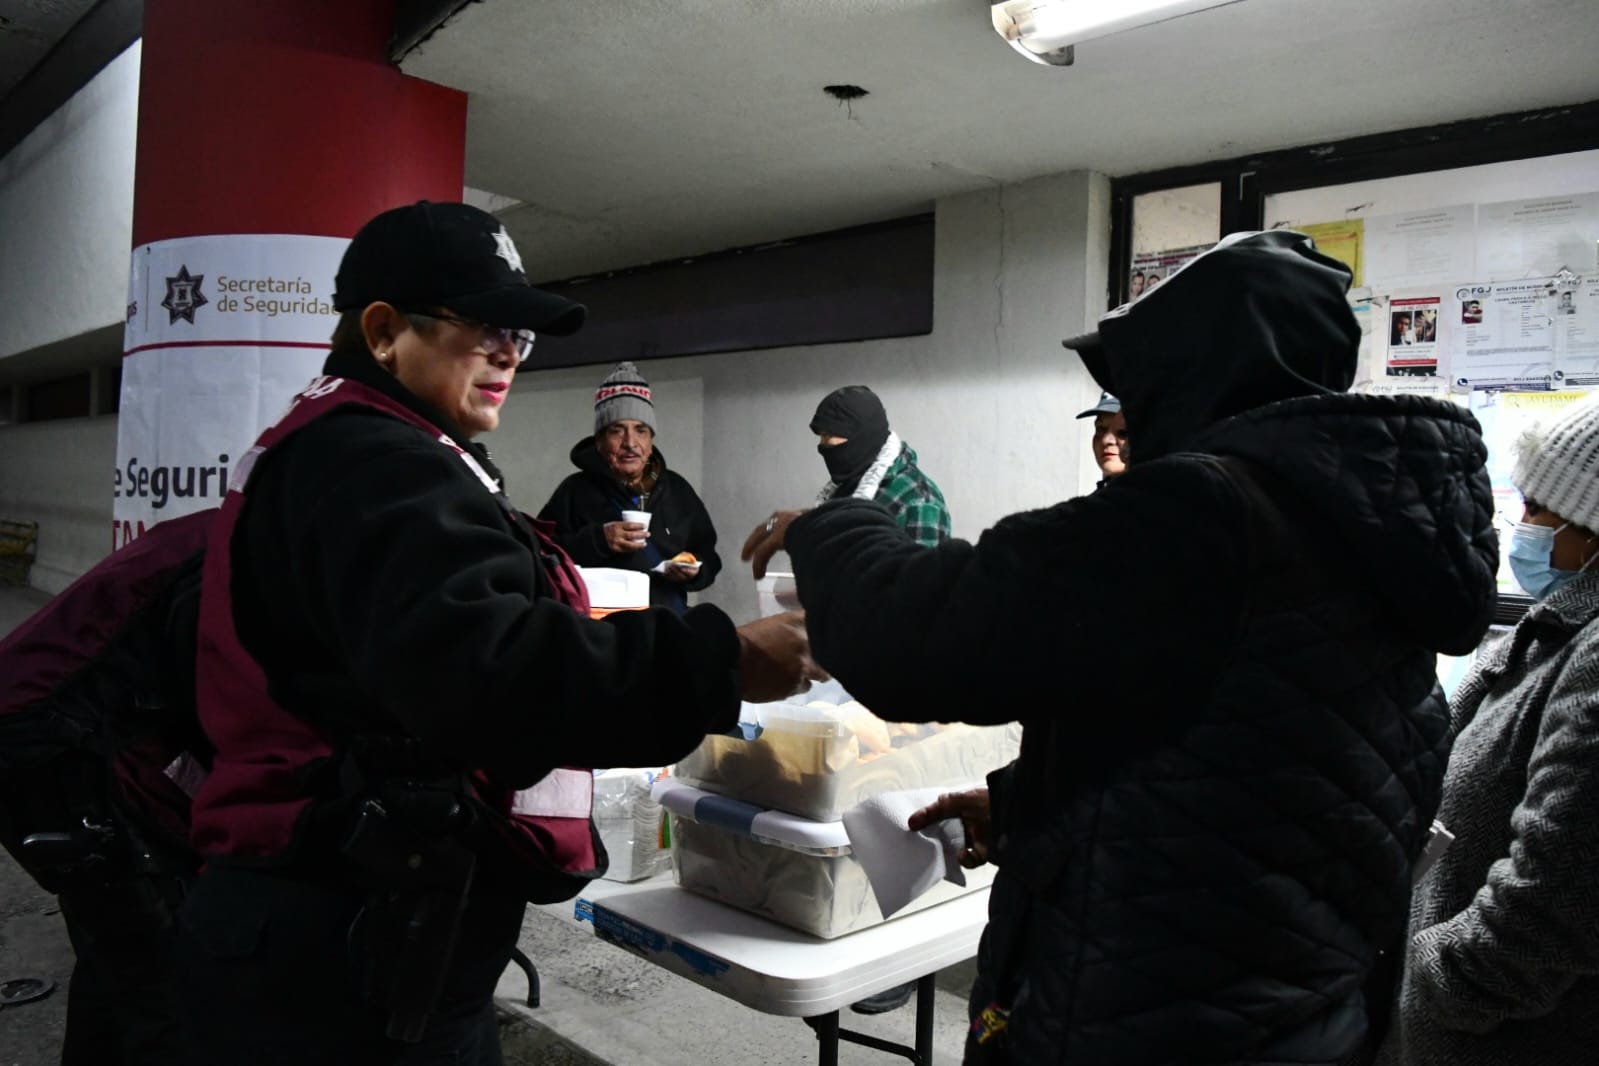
[412, 571]
[581, 534]
[1106, 607]
[703, 541]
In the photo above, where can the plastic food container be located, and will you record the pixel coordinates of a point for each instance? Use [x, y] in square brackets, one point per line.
[793, 870]
[629, 823]
[820, 754]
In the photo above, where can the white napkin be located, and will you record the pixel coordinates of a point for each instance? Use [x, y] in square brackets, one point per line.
[900, 864]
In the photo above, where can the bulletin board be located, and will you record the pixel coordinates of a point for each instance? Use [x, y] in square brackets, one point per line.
[1481, 278]
[1479, 285]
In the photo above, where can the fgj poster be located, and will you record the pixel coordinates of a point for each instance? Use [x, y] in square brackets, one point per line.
[1502, 335]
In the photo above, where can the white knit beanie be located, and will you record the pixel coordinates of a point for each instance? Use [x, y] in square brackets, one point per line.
[623, 395]
[1558, 467]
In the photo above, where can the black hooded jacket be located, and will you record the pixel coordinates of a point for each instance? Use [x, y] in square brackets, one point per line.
[1224, 663]
[583, 503]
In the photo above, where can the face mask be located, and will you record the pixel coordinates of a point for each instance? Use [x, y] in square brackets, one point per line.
[849, 459]
[1530, 546]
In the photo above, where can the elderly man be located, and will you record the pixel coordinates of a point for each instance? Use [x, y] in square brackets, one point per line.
[1209, 873]
[1110, 437]
[620, 470]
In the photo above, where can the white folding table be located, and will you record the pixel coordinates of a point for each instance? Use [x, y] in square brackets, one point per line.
[776, 970]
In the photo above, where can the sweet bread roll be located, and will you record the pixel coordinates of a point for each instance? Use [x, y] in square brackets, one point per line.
[686, 558]
[873, 733]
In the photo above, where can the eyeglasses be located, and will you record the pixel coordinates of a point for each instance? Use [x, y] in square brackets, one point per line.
[492, 339]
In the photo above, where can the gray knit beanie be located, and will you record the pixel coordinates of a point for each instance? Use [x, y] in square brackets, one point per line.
[1558, 467]
[622, 396]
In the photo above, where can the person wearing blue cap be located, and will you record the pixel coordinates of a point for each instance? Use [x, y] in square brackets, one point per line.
[1110, 437]
[1225, 661]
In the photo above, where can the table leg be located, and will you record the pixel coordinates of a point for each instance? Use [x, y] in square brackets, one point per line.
[826, 1028]
[924, 1020]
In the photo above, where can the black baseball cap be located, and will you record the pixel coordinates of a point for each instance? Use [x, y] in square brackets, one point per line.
[1107, 405]
[452, 256]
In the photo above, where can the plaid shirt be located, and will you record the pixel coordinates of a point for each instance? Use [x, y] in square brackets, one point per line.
[914, 501]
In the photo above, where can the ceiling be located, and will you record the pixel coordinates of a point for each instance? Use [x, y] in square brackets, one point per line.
[633, 131]
[29, 29]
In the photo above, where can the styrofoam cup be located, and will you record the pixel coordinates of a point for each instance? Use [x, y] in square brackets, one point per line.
[642, 517]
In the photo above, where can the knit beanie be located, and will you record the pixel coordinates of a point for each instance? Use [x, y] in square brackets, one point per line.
[623, 396]
[1558, 467]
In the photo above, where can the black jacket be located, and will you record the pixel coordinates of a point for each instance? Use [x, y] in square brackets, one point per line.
[583, 503]
[1224, 662]
[382, 589]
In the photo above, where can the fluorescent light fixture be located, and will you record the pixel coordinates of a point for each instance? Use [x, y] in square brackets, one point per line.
[1045, 30]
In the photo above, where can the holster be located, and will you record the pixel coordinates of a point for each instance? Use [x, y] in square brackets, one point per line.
[420, 873]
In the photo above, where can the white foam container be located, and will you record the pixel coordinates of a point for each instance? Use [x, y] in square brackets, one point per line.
[611, 589]
[799, 872]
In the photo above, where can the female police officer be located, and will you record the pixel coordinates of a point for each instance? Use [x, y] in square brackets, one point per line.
[396, 666]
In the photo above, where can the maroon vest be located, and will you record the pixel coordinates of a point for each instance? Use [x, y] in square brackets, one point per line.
[253, 804]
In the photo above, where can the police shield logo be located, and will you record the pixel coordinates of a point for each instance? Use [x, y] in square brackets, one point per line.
[184, 296]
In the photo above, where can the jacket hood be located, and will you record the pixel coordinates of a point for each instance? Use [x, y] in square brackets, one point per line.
[1259, 318]
[587, 458]
[1398, 486]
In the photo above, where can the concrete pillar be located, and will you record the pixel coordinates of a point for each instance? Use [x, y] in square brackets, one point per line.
[268, 132]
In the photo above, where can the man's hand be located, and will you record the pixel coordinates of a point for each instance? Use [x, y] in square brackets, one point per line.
[625, 537]
[766, 540]
[971, 807]
[775, 658]
[679, 572]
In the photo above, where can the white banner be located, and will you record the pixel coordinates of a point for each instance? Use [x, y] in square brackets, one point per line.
[222, 331]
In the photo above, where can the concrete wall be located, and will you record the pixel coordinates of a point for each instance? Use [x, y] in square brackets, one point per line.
[59, 475]
[66, 210]
[988, 399]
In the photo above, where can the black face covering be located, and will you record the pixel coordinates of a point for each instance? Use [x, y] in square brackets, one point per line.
[848, 461]
[856, 414]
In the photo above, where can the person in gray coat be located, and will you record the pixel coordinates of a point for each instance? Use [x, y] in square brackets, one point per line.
[1502, 965]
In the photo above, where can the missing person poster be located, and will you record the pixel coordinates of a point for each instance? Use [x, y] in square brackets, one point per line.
[1413, 336]
[1503, 335]
[1152, 268]
[1577, 329]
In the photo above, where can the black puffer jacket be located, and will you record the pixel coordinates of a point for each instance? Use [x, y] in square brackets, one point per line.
[1224, 662]
[583, 503]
